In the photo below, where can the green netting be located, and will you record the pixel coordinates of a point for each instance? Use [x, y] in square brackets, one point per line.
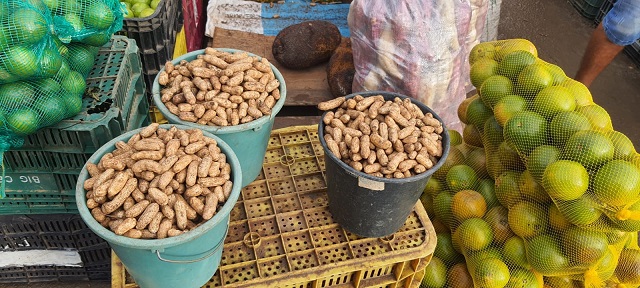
[540, 190]
[88, 21]
[27, 50]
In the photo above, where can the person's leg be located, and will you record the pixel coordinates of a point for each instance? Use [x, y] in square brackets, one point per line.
[620, 27]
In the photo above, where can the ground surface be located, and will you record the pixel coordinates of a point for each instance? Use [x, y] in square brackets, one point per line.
[560, 34]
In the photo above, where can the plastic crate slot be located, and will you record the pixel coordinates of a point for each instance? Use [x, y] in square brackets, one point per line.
[244, 273]
[336, 280]
[55, 242]
[237, 230]
[215, 281]
[274, 141]
[286, 203]
[273, 155]
[269, 247]
[290, 222]
[314, 200]
[411, 223]
[335, 254]
[237, 253]
[300, 150]
[310, 182]
[378, 272]
[264, 226]
[275, 170]
[296, 242]
[273, 267]
[255, 190]
[409, 239]
[305, 166]
[294, 137]
[317, 148]
[67, 182]
[96, 256]
[282, 186]
[369, 247]
[303, 261]
[237, 213]
[258, 208]
[319, 218]
[327, 237]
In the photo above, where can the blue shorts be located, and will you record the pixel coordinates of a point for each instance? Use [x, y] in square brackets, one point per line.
[622, 23]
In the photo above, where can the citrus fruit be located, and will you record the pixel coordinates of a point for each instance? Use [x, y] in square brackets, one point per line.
[481, 70]
[559, 282]
[16, 94]
[557, 74]
[6, 76]
[467, 204]
[606, 265]
[444, 250]
[435, 275]
[527, 219]
[74, 20]
[438, 226]
[63, 72]
[129, 13]
[427, 202]
[481, 50]
[525, 131]
[498, 220]
[598, 117]
[510, 157]
[540, 158]
[154, 4]
[455, 157]
[494, 166]
[137, 8]
[553, 100]
[23, 121]
[80, 58]
[628, 269]
[513, 63]
[507, 106]
[491, 273]
[532, 80]
[474, 257]
[50, 62]
[583, 247]
[581, 211]
[530, 189]
[73, 104]
[98, 15]
[461, 177]
[565, 180]
[487, 190]
[474, 234]
[544, 255]
[51, 108]
[458, 276]
[478, 113]
[515, 253]
[581, 93]
[74, 83]
[590, 148]
[146, 12]
[492, 134]
[29, 26]
[471, 135]
[556, 219]
[433, 187]
[565, 124]
[521, 278]
[442, 207]
[617, 183]
[462, 108]
[629, 225]
[493, 89]
[454, 137]
[476, 159]
[47, 87]
[21, 61]
[97, 39]
[504, 48]
[507, 190]
[51, 4]
[622, 146]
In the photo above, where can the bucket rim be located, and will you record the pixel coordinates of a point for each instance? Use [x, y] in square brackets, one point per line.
[158, 244]
[256, 123]
[426, 109]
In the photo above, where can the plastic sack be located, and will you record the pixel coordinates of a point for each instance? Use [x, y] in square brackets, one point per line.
[417, 48]
[92, 22]
[27, 50]
[539, 189]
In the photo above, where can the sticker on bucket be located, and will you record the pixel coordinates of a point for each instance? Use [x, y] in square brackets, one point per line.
[370, 184]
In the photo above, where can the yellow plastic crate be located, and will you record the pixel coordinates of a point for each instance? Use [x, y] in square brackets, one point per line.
[281, 233]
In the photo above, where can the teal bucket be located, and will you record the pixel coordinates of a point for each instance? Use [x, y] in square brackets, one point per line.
[187, 260]
[249, 141]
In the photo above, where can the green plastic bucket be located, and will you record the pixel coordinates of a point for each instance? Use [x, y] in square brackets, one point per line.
[187, 260]
[249, 141]
[371, 206]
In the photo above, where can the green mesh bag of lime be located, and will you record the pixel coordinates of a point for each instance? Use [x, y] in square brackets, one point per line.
[42, 76]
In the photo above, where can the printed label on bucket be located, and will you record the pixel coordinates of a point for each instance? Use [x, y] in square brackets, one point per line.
[370, 184]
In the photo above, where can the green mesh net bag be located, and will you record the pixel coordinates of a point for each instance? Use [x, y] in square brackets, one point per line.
[539, 190]
[27, 48]
[92, 22]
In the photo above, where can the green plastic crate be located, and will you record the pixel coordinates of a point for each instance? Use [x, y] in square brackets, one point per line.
[39, 193]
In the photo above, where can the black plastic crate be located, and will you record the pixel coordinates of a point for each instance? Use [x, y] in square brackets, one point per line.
[587, 8]
[53, 232]
[604, 9]
[633, 51]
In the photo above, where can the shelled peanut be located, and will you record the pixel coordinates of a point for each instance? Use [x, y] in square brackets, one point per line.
[220, 88]
[390, 139]
[158, 184]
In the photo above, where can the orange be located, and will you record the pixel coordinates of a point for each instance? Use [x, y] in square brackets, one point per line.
[623, 147]
[515, 253]
[559, 282]
[509, 157]
[507, 106]
[598, 117]
[461, 177]
[583, 247]
[525, 131]
[507, 190]
[617, 183]
[468, 204]
[462, 108]
[521, 278]
[565, 180]
[589, 148]
[513, 63]
[438, 226]
[481, 70]
[540, 158]
[494, 166]
[475, 257]
[556, 73]
[435, 275]
[553, 100]
[486, 187]
[491, 273]
[454, 137]
[433, 187]
[628, 269]
[492, 134]
[532, 80]
[503, 48]
[445, 251]
[478, 113]
[544, 255]
[471, 136]
[455, 157]
[528, 219]
[530, 189]
[473, 234]
[442, 208]
[565, 124]
[480, 51]
[556, 219]
[458, 276]
[427, 202]
[498, 220]
[581, 211]
[476, 159]
[581, 93]
[494, 88]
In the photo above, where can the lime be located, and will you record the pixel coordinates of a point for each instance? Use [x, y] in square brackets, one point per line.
[486, 188]
[21, 61]
[532, 80]
[589, 148]
[598, 117]
[530, 189]
[129, 13]
[16, 94]
[74, 20]
[97, 39]
[146, 12]
[556, 219]
[478, 113]
[98, 15]
[565, 180]
[154, 4]
[491, 273]
[51, 4]
[507, 106]
[503, 48]
[435, 275]
[73, 103]
[80, 58]
[507, 190]
[528, 219]
[583, 247]
[23, 121]
[47, 87]
[471, 136]
[28, 26]
[454, 137]
[442, 208]
[525, 131]
[444, 250]
[74, 83]
[455, 157]
[553, 100]
[629, 225]
[565, 124]
[617, 183]
[557, 74]
[481, 50]
[51, 109]
[521, 278]
[473, 234]
[492, 134]
[494, 88]
[623, 147]
[558, 282]
[475, 257]
[481, 70]
[50, 62]
[462, 108]
[581, 93]
[540, 158]
[628, 269]
[544, 255]
[434, 186]
[498, 220]
[137, 8]
[513, 63]
[581, 211]
[461, 177]
[476, 159]
[515, 253]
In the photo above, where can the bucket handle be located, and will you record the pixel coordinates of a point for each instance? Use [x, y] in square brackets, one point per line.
[209, 254]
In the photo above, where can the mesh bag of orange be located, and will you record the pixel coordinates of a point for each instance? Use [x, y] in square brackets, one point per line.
[540, 190]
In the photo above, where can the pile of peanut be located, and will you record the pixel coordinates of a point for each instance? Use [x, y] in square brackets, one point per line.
[220, 88]
[390, 139]
[158, 184]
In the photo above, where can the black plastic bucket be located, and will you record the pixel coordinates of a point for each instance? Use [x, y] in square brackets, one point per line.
[371, 206]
